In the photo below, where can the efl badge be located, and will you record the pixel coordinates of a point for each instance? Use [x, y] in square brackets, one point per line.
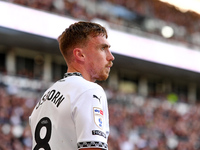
[98, 117]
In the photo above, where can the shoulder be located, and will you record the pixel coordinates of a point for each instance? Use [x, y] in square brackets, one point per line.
[76, 85]
[85, 85]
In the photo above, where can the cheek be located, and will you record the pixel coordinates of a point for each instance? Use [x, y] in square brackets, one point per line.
[100, 58]
[96, 62]
[95, 67]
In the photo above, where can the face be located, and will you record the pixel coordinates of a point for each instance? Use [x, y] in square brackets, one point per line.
[98, 58]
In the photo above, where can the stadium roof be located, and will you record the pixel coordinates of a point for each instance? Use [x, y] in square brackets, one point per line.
[185, 5]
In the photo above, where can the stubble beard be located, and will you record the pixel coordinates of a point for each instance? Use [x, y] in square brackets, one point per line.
[103, 75]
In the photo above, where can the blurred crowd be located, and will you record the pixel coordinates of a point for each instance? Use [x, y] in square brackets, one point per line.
[136, 123]
[139, 123]
[14, 128]
[186, 31]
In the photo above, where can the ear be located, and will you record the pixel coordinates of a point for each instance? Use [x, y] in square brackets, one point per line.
[78, 54]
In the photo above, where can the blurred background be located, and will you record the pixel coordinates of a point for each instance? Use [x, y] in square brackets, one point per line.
[153, 90]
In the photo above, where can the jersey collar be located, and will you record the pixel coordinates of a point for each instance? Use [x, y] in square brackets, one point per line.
[72, 74]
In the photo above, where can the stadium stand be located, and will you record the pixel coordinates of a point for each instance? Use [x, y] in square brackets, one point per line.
[149, 16]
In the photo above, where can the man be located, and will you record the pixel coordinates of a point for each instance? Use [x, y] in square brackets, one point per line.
[73, 114]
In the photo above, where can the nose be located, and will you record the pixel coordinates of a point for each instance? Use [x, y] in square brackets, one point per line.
[110, 56]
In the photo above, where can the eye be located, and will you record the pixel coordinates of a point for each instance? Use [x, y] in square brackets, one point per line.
[103, 48]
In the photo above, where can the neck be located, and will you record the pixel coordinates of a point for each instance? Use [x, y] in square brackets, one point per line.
[83, 72]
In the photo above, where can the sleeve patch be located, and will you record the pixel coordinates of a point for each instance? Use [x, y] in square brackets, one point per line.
[98, 117]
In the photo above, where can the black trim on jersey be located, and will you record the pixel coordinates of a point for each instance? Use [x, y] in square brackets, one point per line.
[72, 74]
[92, 144]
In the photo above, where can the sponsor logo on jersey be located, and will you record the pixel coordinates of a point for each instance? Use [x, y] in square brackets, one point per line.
[98, 117]
[98, 111]
[94, 96]
[98, 132]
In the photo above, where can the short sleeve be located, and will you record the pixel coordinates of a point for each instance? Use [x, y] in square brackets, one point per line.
[90, 115]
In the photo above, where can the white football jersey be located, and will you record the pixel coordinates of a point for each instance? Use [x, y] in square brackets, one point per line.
[72, 114]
